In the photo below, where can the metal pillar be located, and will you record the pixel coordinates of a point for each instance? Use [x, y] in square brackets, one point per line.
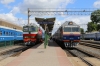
[28, 15]
[45, 43]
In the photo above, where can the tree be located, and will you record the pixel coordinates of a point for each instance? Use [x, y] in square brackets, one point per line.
[95, 16]
[91, 27]
[82, 30]
[98, 27]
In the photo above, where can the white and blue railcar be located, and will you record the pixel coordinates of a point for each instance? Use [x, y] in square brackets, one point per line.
[10, 34]
[91, 36]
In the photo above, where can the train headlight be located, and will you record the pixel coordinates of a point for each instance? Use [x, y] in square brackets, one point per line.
[78, 37]
[32, 36]
[26, 37]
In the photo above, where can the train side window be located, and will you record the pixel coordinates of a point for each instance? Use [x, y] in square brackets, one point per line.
[8, 33]
[4, 32]
[0, 33]
[11, 33]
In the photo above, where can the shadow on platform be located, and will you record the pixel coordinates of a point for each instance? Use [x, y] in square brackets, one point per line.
[52, 43]
[36, 46]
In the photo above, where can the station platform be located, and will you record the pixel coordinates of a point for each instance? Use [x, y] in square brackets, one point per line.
[53, 55]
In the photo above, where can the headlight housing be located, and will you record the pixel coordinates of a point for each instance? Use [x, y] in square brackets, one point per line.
[32, 36]
[26, 36]
[78, 37]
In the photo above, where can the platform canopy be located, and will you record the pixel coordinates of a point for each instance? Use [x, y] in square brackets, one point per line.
[47, 23]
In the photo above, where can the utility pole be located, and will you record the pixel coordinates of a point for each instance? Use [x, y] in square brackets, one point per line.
[28, 15]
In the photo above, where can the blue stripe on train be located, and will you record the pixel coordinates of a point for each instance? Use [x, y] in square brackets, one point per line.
[9, 38]
[71, 37]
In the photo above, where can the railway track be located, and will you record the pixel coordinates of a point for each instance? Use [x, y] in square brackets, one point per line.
[86, 58]
[93, 44]
[13, 52]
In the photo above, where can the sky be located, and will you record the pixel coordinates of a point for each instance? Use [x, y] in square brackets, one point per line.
[15, 11]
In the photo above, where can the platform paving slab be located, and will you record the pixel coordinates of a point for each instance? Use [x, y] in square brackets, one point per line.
[51, 56]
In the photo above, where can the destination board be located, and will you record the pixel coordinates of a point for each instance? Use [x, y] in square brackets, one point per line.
[45, 22]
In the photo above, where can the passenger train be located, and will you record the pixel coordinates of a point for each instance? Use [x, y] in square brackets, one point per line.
[68, 34]
[32, 34]
[91, 36]
[10, 34]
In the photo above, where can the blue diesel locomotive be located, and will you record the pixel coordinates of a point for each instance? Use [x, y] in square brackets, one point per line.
[68, 34]
[10, 34]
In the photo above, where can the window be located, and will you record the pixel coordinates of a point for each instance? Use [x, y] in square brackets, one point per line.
[32, 29]
[0, 33]
[75, 29]
[67, 29]
[4, 32]
[71, 29]
[11, 34]
[25, 29]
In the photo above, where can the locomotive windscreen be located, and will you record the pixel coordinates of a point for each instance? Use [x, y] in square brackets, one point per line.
[32, 28]
[71, 29]
[75, 29]
[25, 29]
[67, 29]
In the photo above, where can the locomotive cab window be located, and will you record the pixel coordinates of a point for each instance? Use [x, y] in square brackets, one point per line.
[75, 29]
[32, 29]
[25, 29]
[71, 29]
[67, 29]
[0, 33]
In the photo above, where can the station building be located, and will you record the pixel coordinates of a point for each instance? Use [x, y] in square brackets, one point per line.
[9, 24]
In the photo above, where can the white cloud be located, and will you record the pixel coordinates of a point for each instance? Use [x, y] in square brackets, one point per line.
[97, 4]
[43, 4]
[31, 4]
[6, 1]
[15, 10]
[9, 17]
[12, 19]
[80, 20]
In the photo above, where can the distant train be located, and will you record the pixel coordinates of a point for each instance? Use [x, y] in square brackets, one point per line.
[32, 34]
[91, 36]
[10, 34]
[68, 34]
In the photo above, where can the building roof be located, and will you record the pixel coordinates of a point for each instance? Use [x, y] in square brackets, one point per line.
[31, 24]
[9, 24]
[48, 21]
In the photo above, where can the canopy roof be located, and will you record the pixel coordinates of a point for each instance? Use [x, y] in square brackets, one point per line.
[48, 21]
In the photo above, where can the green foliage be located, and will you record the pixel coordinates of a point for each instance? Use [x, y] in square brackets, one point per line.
[95, 16]
[98, 27]
[91, 27]
[82, 30]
